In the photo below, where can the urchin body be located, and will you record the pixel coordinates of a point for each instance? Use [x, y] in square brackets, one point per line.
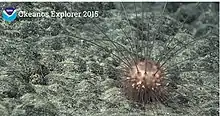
[143, 81]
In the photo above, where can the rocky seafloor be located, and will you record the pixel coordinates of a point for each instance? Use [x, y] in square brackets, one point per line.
[47, 67]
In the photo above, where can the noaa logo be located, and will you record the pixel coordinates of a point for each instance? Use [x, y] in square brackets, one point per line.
[9, 14]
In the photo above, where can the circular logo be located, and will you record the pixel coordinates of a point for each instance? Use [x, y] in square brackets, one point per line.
[9, 14]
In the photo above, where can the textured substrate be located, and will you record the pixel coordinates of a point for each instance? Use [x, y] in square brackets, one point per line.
[45, 70]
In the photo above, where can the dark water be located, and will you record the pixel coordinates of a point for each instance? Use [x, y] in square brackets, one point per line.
[69, 66]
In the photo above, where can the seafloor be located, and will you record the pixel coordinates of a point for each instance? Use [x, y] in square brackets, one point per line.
[61, 67]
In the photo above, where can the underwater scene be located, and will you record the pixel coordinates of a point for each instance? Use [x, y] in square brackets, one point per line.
[109, 59]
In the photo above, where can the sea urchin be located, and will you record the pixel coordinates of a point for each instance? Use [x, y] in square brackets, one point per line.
[157, 54]
[143, 81]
